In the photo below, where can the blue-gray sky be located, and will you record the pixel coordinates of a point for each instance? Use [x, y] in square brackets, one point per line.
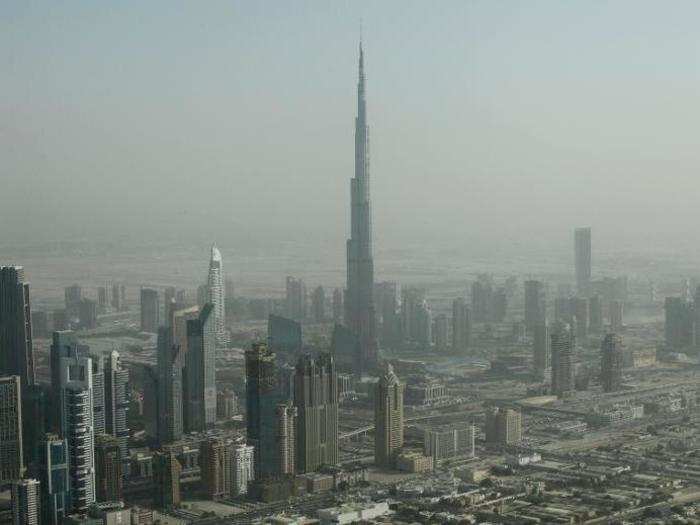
[489, 119]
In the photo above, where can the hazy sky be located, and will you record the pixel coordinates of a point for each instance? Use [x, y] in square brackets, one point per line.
[229, 119]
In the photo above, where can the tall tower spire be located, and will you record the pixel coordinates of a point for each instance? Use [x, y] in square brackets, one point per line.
[359, 301]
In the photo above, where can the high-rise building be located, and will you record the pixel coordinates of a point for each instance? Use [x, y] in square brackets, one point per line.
[499, 305]
[262, 397]
[11, 453]
[412, 300]
[40, 324]
[616, 316]
[36, 413]
[26, 502]
[579, 308]
[116, 298]
[295, 299]
[562, 347]
[388, 418]
[386, 296]
[503, 427]
[166, 475]
[337, 306]
[316, 400]
[108, 469]
[98, 392]
[216, 294]
[461, 325]
[102, 298]
[440, 331]
[16, 350]
[359, 299]
[55, 480]
[150, 310]
[582, 259]
[226, 404]
[77, 427]
[424, 325]
[611, 363]
[285, 438]
[595, 314]
[242, 469]
[117, 397]
[541, 348]
[170, 359]
[284, 337]
[680, 323]
[87, 314]
[199, 377]
[482, 298]
[449, 441]
[215, 459]
[535, 305]
[345, 348]
[73, 295]
[318, 304]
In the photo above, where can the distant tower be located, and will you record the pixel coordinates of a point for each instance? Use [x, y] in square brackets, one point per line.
[582, 259]
[285, 439]
[242, 469]
[16, 350]
[503, 427]
[562, 359]
[595, 314]
[169, 369]
[216, 294]
[611, 363]
[337, 306]
[26, 502]
[388, 418]
[150, 310]
[359, 298]
[318, 304]
[117, 391]
[295, 298]
[461, 325]
[11, 458]
[108, 469]
[55, 480]
[535, 305]
[541, 347]
[316, 399]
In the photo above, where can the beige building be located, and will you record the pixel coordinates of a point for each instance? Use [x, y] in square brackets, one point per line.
[503, 427]
[388, 418]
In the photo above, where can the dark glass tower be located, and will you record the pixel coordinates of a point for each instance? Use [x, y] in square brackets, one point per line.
[359, 300]
[16, 351]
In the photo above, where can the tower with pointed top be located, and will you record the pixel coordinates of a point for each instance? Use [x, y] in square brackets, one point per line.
[215, 293]
[359, 300]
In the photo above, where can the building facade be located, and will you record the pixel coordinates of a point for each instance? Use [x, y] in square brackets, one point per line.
[216, 294]
[200, 372]
[16, 348]
[388, 418]
[11, 446]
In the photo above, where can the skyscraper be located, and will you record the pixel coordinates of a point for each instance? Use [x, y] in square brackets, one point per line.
[388, 418]
[150, 310]
[216, 294]
[242, 468]
[117, 394]
[199, 378]
[611, 363]
[535, 305]
[582, 259]
[55, 482]
[16, 350]
[285, 439]
[318, 304]
[337, 305]
[108, 469]
[359, 300]
[76, 426]
[503, 426]
[295, 298]
[284, 337]
[215, 460]
[562, 359]
[595, 314]
[169, 404]
[26, 502]
[11, 458]
[461, 325]
[316, 399]
[166, 474]
[541, 347]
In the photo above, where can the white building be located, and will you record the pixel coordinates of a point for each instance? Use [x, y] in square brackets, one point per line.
[216, 293]
[448, 442]
[242, 468]
[352, 513]
[25, 502]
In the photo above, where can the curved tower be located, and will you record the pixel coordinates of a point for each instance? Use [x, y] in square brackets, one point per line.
[215, 291]
[359, 300]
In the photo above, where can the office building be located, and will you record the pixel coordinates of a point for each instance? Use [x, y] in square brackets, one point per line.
[680, 323]
[150, 310]
[285, 439]
[562, 348]
[73, 295]
[98, 391]
[16, 349]
[449, 441]
[166, 476]
[461, 326]
[579, 309]
[424, 325]
[242, 469]
[388, 418]
[215, 459]
[611, 363]
[387, 303]
[11, 447]
[226, 404]
[170, 360]
[108, 469]
[199, 379]
[617, 317]
[541, 347]
[77, 427]
[216, 294]
[40, 324]
[337, 306]
[36, 413]
[346, 350]
[26, 502]
[359, 293]
[503, 427]
[582, 259]
[482, 299]
[318, 304]
[535, 305]
[284, 337]
[316, 400]
[55, 480]
[87, 314]
[117, 397]
[295, 299]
